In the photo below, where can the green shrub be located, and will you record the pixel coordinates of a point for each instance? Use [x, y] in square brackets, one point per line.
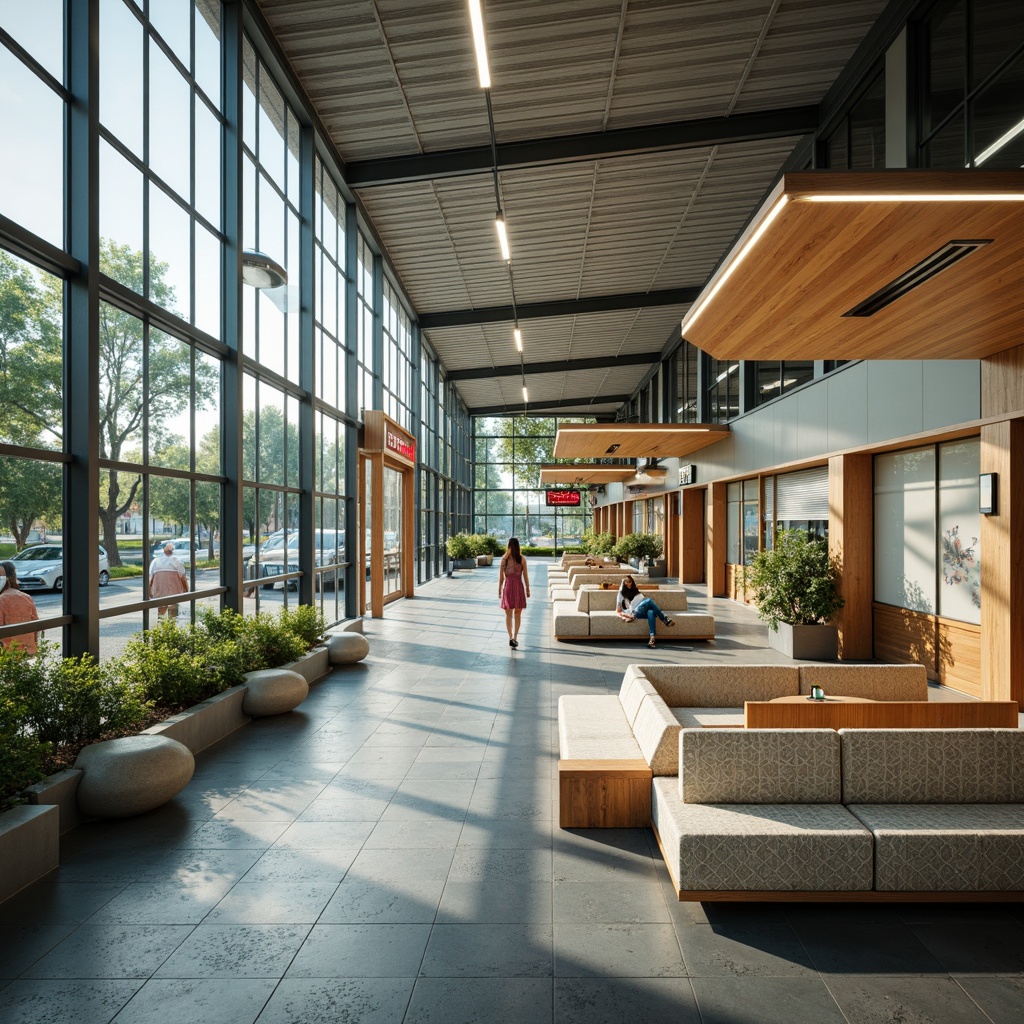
[639, 546]
[538, 552]
[598, 543]
[267, 642]
[306, 622]
[795, 582]
[178, 666]
[21, 753]
[459, 546]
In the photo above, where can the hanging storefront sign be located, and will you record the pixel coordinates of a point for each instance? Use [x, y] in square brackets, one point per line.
[405, 447]
[563, 497]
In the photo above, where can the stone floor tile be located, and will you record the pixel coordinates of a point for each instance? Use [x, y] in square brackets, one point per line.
[763, 951]
[64, 1002]
[236, 835]
[767, 1001]
[873, 999]
[980, 946]
[410, 835]
[235, 951]
[617, 950]
[410, 863]
[110, 951]
[55, 902]
[21, 945]
[384, 901]
[272, 903]
[1001, 999]
[361, 951]
[482, 864]
[206, 1001]
[164, 902]
[314, 866]
[617, 1000]
[336, 1000]
[494, 900]
[469, 1000]
[325, 835]
[627, 902]
[883, 946]
[488, 951]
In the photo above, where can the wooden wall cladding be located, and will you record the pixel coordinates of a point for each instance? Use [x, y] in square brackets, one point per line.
[735, 588]
[883, 714]
[1002, 383]
[949, 650]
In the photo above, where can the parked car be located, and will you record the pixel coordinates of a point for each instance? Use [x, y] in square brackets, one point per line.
[330, 550]
[41, 567]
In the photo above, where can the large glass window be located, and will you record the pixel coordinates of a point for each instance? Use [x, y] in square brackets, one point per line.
[927, 529]
[723, 390]
[773, 379]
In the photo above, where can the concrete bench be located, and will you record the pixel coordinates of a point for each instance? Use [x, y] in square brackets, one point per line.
[593, 617]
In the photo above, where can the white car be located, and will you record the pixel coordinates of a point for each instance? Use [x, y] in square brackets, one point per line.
[273, 561]
[41, 567]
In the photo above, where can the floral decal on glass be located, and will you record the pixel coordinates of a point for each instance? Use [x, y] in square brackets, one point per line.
[961, 566]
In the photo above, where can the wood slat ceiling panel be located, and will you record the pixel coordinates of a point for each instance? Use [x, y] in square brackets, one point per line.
[640, 440]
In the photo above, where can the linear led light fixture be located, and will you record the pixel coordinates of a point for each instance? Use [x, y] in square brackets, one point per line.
[526, 396]
[697, 310]
[999, 143]
[476, 20]
[913, 197]
[499, 224]
[518, 335]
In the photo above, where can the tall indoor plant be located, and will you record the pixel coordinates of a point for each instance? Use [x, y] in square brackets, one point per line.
[796, 590]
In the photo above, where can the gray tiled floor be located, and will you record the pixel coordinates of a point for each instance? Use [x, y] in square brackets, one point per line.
[390, 852]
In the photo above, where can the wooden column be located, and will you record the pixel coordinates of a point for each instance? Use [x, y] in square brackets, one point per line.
[1002, 565]
[850, 542]
[692, 528]
[717, 539]
[672, 536]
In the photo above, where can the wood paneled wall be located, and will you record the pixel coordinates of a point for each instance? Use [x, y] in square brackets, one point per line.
[850, 542]
[1002, 564]
[693, 544]
[716, 539]
[949, 650]
[1002, 383]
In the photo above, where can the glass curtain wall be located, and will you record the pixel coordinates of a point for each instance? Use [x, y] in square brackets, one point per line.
[509, 499]
[162, 416]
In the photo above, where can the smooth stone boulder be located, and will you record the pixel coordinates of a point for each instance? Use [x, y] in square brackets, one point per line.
[132, 775]
[347, 648]
[273, 691]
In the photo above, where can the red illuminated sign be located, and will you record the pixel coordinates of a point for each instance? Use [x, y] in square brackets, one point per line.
[562, 497]
[404, 448]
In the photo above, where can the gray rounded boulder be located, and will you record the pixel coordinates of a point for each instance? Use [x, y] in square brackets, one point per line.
[347, 648]
[131, 775]
[273, 691]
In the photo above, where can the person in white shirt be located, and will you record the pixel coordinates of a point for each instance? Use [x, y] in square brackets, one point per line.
[631, 604]
[167, 578]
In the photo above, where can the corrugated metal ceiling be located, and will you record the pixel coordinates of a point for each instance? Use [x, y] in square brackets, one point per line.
[393, 78]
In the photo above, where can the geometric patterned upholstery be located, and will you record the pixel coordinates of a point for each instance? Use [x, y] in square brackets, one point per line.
[721, 686]
[876, 682]
[759, 766]
[933, 766]
[946, 847]
[767, 848]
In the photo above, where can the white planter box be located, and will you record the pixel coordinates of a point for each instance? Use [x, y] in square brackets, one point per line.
[805, 643]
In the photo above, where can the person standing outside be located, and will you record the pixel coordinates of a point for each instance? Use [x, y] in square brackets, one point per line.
[166, 579]
[631, 604]
[513, 588]
[16, 606]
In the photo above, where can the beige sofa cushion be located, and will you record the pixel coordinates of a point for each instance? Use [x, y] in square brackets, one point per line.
[634, 689]
[933, 766]
[594, 728]
[721, 686]
[567, 621]
[656, 730]
[946, 847]
[594, 599]
[761, 847]
[876, 682]
[759, 766]
[709, 718]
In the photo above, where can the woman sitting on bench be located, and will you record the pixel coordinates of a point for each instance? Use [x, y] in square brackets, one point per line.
[630, 604]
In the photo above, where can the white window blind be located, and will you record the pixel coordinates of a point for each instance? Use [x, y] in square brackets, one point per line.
[802, 495]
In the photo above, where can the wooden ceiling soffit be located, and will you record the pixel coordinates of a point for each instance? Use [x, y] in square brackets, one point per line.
[825, 243]
[580, 473]
[635, 440]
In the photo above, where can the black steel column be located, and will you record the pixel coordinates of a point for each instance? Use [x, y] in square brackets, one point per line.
[353, 541]
[82, 309]
[307, 372]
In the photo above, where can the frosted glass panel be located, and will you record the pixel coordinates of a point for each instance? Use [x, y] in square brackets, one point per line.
[905, 530]
[959, 531]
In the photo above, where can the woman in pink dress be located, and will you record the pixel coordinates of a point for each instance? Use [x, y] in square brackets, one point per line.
[513, 588]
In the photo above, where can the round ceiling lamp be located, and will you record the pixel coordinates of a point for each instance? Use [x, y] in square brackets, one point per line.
[260, 271]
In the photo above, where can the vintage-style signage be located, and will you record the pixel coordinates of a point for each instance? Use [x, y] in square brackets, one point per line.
[563, 497]
[397, 443]
[687, 475]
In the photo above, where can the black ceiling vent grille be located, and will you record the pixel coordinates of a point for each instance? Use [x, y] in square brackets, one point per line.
[941, 259]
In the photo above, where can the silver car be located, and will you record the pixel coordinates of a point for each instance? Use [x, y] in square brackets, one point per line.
[41, 567]
[281, 558]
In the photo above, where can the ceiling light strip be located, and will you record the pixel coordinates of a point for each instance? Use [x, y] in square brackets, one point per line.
[476, 19]
[913, 197]
[999, 143]
[691, 318]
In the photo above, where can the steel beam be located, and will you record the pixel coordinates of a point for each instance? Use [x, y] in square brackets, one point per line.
[559, 307]
[696, 134]
[555, 366]
[578, 404]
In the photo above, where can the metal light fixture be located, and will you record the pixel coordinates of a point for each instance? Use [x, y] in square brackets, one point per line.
[518, 335]
[499, 224]
[260, 271]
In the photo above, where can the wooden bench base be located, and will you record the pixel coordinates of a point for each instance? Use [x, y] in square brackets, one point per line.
[604, 794]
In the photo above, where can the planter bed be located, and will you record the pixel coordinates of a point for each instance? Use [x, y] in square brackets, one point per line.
[29, 834]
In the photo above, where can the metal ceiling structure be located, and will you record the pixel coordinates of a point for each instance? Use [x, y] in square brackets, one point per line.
[634, 140]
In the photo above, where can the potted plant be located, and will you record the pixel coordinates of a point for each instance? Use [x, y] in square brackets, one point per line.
[642, 550]
[795, 588]
[485, 547]
[460, 551]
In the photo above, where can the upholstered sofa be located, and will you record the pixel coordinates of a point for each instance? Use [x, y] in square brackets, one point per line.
[864, 814]
[591, 615]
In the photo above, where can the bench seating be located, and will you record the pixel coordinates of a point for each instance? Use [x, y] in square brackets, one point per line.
[860, 814]
[592, 616]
